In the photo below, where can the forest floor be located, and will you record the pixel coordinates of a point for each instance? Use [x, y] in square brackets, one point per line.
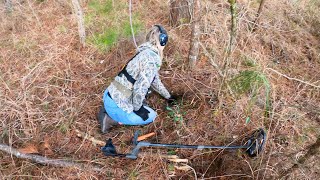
[51, 86]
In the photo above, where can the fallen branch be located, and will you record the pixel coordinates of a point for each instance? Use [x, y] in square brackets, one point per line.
[294, 79]
[47, 161]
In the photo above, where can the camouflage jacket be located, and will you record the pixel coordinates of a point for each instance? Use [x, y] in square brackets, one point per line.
[144, 69]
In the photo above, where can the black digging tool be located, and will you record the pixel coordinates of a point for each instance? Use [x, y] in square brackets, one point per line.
[253, 146]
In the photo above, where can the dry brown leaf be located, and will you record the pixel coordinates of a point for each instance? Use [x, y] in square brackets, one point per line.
[45, 143]
[45, 147]
[29, 149]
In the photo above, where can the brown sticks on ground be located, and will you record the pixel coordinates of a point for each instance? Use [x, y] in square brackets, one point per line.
[312, 150]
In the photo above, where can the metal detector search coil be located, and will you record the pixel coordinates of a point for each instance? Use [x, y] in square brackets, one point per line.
[253, 146]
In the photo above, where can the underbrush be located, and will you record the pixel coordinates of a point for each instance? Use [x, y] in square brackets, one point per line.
[108, 22]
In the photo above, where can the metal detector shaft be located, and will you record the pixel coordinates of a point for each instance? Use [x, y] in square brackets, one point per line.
[195, 146]
[135, 151]
[254, 145]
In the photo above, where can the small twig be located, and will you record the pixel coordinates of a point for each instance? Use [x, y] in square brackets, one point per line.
[47, 161]
[256, 21]
[214, 64]
[34, 14]
[131, 26]
[186, 167]
[179, 160]
[294, 79]
[90, 138]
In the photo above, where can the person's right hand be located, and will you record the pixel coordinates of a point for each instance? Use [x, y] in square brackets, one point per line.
[143, 113]
[173, 99]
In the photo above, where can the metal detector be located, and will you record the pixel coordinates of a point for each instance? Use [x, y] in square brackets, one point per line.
[253, 146]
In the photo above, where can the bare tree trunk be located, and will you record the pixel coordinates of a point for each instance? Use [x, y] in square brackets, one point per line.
[233, 33]
[180, 12]
[81, 27]
[195, 35]
[8, 5]
[256, 21]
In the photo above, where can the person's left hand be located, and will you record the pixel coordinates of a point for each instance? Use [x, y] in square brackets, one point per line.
[143, 113]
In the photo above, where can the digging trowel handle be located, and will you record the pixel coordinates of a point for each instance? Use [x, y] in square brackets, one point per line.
[135, 151]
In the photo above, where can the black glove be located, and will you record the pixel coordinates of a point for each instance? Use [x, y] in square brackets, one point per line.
[143, 113]
[173, 99]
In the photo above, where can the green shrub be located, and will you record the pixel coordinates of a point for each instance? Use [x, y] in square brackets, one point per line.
[175, 112]
[108, 22]
[104, 7]
[250, 82]
[106, 39]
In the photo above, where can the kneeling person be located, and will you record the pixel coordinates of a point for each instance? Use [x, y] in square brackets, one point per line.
[123, 99]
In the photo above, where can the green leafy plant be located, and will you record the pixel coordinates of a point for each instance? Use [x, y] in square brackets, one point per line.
[176, 113]
[171, 152]
[171, 167]
[248, 62]
[251, 82]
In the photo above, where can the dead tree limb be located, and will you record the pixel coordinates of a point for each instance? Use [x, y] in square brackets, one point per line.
[81, 27]
[195, 35]
[256, 21]
[47, 161]
[294, 79]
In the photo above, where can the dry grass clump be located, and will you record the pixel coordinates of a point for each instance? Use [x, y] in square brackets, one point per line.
[51, 85]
